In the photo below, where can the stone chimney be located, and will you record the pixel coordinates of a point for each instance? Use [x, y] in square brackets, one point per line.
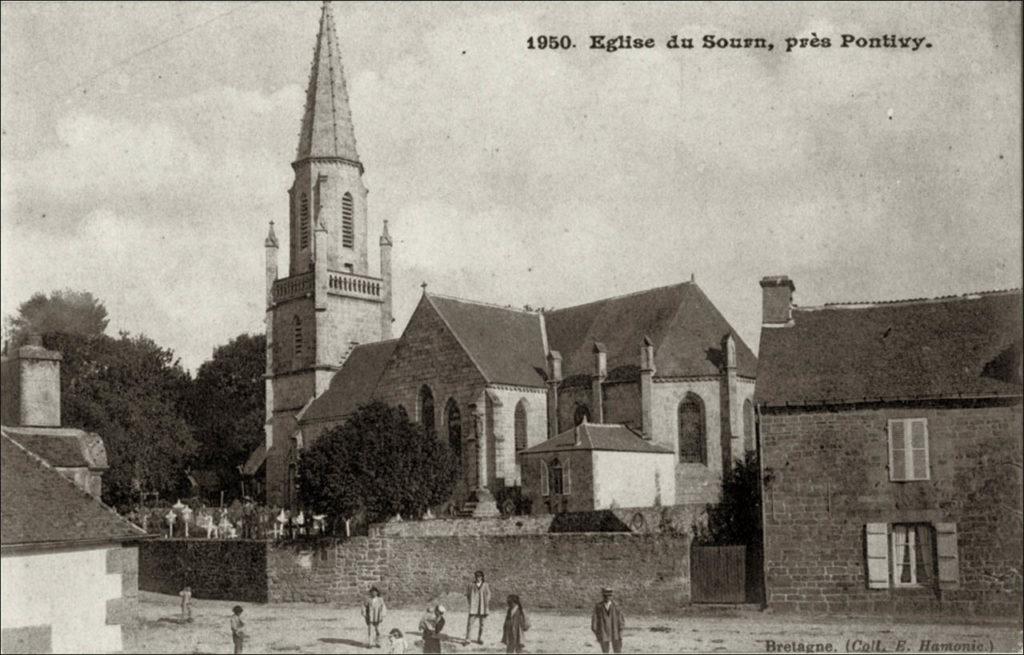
[776, 300]
[31, 386]
[554, 378]
[597, 380]
[647, 371]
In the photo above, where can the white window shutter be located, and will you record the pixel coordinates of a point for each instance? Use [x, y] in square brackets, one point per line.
[544, 490]
[876, 536]
[897, 451]
[949, 556]
[566, 479]
[918, 448]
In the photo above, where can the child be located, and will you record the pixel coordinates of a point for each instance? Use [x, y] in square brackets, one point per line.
[186, 604]
[237, 625]
[431, 626]
[516, 624]
[396, 641]
[373, 613]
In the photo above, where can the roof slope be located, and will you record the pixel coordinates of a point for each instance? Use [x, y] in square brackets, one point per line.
[597, 436]
[942, 348]
[686, 328]
[327, 122]
[507, 345]
[353, 385]
[58, 446]
[40, 506]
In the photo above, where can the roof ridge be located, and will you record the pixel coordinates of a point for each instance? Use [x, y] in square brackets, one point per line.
[859, 304]
[625, 295]
[532, 312]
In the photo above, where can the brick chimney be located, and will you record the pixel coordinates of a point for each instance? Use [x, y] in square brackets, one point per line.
[776, 300]
[31, 386]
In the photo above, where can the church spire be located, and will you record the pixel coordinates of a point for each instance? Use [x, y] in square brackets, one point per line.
[327, 123]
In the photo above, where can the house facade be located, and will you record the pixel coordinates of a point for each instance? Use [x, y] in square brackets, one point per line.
[891, 451]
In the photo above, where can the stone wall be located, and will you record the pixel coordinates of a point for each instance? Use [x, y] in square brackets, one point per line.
[216, 569]
[828, 472]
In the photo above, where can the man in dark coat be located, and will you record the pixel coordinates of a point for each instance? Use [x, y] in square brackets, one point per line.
[607, 623]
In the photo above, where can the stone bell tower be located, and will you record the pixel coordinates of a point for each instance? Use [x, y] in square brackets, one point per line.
[330, 301]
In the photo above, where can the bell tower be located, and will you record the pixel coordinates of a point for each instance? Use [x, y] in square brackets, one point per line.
[330, 302]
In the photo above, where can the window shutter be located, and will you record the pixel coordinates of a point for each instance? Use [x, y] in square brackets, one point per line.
[897, 451]
[544, 490]
[919, 448]
[566, 479]
[876, 536]
[949, 558]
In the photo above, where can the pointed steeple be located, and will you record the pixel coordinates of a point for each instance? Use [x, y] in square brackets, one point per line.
[327, 123]
[271, 241]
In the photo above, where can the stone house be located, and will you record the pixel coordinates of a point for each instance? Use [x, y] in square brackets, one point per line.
[891, 445]
[488, 379]
[68, 563]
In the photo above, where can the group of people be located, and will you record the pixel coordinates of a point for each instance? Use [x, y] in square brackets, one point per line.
[606, 621]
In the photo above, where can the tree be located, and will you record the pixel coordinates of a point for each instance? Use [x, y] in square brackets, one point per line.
[226, 407]
[130, 391]
[737, 518]
[67, 311]
[375, 465]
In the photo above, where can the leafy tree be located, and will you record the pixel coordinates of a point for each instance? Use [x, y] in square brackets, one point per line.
[67, 311]
[375, 465]
[226, 407]
[129, 390]
[737, 518]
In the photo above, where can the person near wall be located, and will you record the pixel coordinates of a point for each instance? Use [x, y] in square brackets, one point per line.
[516, 624]
[396, 642]
[431, 626]
[478, 594]
[374, 611]
[237, 628]
[186, 604]
[607, 623]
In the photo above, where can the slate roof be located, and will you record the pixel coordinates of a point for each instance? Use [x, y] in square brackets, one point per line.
[949, 347]
[353, 385]
[597, 436]
[506, 344]
[58, 446]
[40, 507]
[685, 327]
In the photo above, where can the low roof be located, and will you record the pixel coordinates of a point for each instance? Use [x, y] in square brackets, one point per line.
[353, 385]
[960, 346]
[597, 436]
[685, 327]
[42, 508]
[58, 446]
[506, 344]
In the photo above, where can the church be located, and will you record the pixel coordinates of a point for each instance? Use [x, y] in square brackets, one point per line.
[651, 374]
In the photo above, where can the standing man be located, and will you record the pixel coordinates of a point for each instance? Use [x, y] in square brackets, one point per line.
[479, 596]
[607, 623]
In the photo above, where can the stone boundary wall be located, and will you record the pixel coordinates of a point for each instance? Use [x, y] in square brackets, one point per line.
[234, 569]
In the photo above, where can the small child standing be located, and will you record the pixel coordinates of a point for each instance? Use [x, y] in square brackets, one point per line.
[237, 628]
[396, 642]
[374, 611]
[186, 604]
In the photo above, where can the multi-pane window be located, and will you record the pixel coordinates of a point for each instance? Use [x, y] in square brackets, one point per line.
[347, 228]
[304, 221]
[908, 449]
[582, 414]
[520, 425]
[427, 410]
[692, 430]
[913, 555]
[454, 428]
[554, 478]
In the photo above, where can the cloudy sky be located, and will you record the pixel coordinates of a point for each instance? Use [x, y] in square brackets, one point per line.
[146, 146]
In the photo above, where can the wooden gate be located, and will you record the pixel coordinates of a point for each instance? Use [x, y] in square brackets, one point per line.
[718, 574]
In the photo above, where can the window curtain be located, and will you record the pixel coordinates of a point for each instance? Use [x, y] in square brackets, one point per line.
[925, 555]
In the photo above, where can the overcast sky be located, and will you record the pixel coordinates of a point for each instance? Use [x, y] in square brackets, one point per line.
[146, 146]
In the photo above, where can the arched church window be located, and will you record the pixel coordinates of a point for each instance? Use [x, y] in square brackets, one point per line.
[454, 428]
[692, 430]
[427, 410]
[304, 221]
[582, 414]
[748, 426]
[520, 425]
[347, 229]
[297, 335]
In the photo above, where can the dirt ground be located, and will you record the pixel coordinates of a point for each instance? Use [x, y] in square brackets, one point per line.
[306, 628]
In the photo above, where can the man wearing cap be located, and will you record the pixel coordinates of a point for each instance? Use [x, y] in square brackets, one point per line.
[478, 595]
[607, 623]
